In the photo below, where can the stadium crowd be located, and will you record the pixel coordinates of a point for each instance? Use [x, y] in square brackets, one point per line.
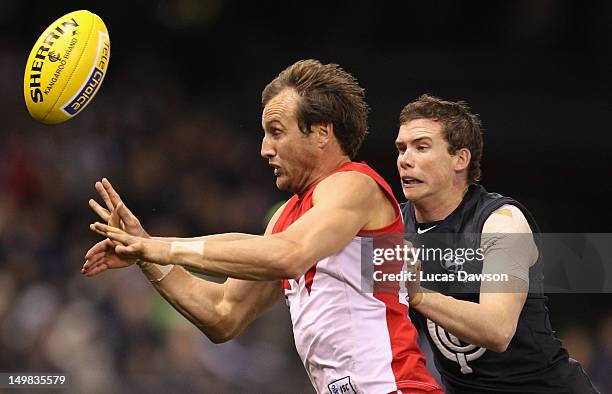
[184, 169]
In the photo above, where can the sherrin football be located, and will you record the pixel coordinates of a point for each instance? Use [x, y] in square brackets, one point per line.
[66, 67]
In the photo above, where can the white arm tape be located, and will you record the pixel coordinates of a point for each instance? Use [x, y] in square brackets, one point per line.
[157, 272]
[184, 246]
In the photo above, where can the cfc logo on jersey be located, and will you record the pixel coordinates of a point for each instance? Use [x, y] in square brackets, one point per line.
[452, 348]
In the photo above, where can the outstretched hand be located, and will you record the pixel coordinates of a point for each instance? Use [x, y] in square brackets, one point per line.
[124, 218]
[135, 247]
[102, 256]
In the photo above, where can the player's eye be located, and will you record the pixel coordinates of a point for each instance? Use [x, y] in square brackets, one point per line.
[274, 133]
[422, 148]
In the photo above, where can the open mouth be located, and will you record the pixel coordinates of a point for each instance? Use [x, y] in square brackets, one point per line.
[406, 181]
[276, 169]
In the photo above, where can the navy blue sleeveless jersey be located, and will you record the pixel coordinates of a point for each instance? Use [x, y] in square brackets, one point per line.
[535, 361]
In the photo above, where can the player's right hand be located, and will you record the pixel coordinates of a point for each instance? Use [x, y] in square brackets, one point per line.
[413, 284]
[102, 256]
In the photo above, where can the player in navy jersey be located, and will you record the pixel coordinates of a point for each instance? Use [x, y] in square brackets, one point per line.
[487, 337]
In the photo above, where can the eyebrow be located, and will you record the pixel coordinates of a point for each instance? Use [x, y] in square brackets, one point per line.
[271, 123]
[424, 138]
[414, 141]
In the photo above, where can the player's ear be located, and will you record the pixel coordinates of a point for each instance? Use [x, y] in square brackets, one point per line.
[323, 133]
[462, 159]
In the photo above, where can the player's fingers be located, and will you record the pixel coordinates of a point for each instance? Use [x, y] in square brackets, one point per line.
[92, 262]
[93, 228]
[97, 254]
[105, 196]
[132, 223]
[96, 270]
[104, 232]
[126, 210]
[93, 259]
[129, 250]
[125, 214]
[121, 238]
[99, 210]
[114, 219]
[108, 229]
[86, 266]
[114, 196]
[97, 248]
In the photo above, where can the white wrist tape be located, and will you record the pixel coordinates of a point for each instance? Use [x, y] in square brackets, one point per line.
[184, 246]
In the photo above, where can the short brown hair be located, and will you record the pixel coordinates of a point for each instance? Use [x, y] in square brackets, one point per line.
[328, 94]
[460, 127]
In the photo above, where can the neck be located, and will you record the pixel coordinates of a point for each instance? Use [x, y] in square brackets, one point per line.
[324, 170]
[439, 206]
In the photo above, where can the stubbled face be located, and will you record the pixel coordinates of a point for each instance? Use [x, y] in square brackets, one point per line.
[424, 164]
[291, 153]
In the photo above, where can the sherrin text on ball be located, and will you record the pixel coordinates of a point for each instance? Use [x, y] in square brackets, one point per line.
[66, 67]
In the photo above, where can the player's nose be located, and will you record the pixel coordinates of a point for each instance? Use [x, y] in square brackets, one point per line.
[267, 149]
[406, 159]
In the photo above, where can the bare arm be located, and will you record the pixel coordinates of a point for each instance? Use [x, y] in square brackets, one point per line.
[102, 256]
[220, 311]
[492, 321]
[343, 204]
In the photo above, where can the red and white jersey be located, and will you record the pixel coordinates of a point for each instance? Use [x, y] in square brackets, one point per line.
[351, 341]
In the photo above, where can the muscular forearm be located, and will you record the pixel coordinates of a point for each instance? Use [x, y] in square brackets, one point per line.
[249, 259]
[220, 311]
[198, 243]
[487, 325]
[196, 299]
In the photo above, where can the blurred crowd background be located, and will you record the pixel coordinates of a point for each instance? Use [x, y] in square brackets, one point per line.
[176, 128]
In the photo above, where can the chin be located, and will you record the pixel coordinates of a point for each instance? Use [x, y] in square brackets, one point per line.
[413, 195]
[282, 184]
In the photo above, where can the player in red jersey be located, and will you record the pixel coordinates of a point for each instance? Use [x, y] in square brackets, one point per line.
[314, 121]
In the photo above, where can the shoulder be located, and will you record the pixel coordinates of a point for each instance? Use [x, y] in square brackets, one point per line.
[358, 195]
[351, 185]
[506, 219]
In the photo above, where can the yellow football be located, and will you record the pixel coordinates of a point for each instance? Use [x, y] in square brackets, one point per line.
[66, 67]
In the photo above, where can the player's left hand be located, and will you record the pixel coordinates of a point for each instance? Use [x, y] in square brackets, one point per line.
[134, 246]
[116, 213]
